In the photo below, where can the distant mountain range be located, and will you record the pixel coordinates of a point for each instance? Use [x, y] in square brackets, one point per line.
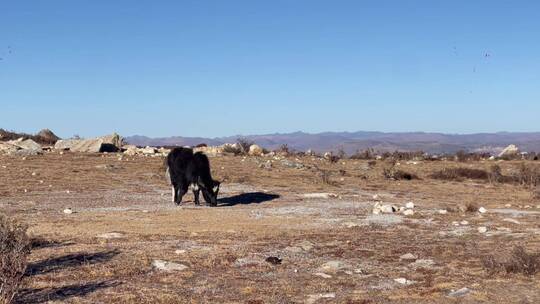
[351, 142]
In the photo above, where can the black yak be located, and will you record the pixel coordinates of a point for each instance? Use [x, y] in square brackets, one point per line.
[185, 169]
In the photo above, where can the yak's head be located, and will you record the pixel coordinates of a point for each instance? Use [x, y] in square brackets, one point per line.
[213, 192]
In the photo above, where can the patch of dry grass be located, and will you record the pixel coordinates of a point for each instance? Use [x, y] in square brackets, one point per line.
[460, 174]
[14, 248]
[519, 261]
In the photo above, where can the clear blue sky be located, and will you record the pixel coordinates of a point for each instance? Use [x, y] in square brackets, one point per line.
[213, 68]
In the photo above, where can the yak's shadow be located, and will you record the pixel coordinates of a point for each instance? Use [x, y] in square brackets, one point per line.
[69, 261]
[42, 295]
[246, 198]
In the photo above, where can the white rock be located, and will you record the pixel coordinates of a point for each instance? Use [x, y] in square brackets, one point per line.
[323, 275]
[482, 210]
[464, 223]
[442, 211]
[508, 205]
[404, 281]
[482, 229]
[511, 150]
[180, 251]
[68, 211]
[111, 235]
[320, 195]
[313, 298]
[255, 150]
[408, 212]
[332, 266]
[408, 257]
[460, 292]
[168, 266]
[409, 205]
[511, 220]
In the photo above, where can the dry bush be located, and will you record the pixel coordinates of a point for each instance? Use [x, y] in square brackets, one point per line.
[44, 137]
[528, 175]
[283, 149]
[244, 144]
[459, 174]
[366, 154]
[233, 150]
[463, 156]
[14, 248]
[398, 155]
[520, 261]
[471, 207]
[395, 174]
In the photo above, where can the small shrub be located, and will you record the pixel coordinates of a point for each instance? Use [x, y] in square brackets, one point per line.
[528, 175]
[459, 174]
[520, 261]
[236, 150]
[341, 153]
[14, 248]
[244, 144]
[392, 173]
[471, 207]
[283, 149]
[366, 154]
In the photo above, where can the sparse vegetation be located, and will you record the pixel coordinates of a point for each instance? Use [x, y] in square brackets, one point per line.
[391, 172]
[459, 174]
[528, 175]
[14, 248]
[244, 144]
[365, 154]
[519, 261]
[44, 137]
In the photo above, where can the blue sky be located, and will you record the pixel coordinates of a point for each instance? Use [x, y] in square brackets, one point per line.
[214, 68]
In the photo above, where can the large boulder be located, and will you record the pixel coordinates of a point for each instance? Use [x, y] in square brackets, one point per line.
[26, 144]
[109, 143]
[510, 151]
[210, 151]
[255, 150]
[8, 148]
[47, 136]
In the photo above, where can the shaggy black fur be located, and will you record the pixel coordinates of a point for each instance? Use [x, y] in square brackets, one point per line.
[187, 168]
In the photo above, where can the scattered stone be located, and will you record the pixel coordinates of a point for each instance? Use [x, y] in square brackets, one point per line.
[306, 245]
[460, 292]
[293, 249]
[320, 195]
[247, 261]
[408, 257]
[323, 275]
[180, 251]
[147, 150]
[168, 266]
[409, 205]
[404, 281]
[511, 220]
[442, 211]
[482, 229]
[111, 235]
[508, 205]
[292, 164]
[378, 208]
[422, 263]
[333, 266]
[68, 211]
[464, 223]
[255, 150]
[316, 297]
[482, 210]
[408, 212]
[267, 165]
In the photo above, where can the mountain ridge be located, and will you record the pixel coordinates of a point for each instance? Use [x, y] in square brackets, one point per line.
[350, 142]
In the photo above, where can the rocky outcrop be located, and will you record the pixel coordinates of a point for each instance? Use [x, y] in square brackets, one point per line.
[255, 150]
[510, 151]
[109, 143]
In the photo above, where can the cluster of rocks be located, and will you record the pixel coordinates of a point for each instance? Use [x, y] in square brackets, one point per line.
[379, 208]
[109, 143]
[21, 146]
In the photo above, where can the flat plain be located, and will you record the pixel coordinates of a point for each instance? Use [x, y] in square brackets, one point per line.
[313, 215]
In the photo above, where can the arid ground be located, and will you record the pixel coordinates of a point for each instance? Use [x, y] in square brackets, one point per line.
[332, 248]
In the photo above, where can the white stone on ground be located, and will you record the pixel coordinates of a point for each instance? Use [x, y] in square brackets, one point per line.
[168, 266]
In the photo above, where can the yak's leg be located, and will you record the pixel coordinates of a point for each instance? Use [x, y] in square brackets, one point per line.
[181, 191]
[173, 190]
[196, 195]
